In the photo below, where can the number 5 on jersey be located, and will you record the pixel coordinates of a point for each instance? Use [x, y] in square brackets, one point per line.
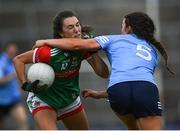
[144, 52]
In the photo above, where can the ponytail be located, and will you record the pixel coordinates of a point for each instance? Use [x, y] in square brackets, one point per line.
[162, 51]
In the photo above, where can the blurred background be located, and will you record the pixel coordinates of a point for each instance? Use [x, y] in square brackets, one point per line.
[25, 21]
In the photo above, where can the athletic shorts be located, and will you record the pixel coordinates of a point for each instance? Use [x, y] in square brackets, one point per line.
[35, 104]
[6, 109]
[140, 98]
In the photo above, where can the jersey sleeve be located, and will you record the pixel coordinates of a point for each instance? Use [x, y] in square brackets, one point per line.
[42, 54]
[104, 41]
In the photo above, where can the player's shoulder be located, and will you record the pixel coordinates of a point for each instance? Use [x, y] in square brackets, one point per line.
[116, 37]
[107, 37]
[42, 54]
[120, 36]
[44, 48]
[127, 36]
[48, 50]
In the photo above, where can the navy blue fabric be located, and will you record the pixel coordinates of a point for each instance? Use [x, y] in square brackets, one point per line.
[6, 109]
[140, 98]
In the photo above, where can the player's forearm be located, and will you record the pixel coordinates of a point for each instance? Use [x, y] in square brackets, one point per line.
[20, 69]
[94, 94]
[69, 44]
[103, 94]
[99, 66]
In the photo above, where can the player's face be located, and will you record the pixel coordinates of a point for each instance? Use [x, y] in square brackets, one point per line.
[125, 29]
[71, 28]
[11, 51]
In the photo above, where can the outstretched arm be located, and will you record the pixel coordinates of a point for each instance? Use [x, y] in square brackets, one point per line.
[94, 94]
[96, 62]
[69, 44]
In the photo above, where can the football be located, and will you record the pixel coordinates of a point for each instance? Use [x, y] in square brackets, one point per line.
[42, 72]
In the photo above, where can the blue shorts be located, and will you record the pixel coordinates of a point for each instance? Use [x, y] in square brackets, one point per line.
[6, 109]
[140, 98]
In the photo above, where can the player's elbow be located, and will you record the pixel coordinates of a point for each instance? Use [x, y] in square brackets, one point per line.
[16, 59]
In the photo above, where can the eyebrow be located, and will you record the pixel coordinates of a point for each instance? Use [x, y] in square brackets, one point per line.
[73, 24]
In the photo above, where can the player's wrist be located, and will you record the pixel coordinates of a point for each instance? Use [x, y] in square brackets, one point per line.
[31, 86]
[103, 94]
[24, 86]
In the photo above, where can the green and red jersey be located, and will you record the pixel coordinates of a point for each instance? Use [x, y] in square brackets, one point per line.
[66, 65]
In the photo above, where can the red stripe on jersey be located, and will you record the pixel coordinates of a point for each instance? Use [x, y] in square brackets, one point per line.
[79, 109]
[43, 54]
[68, 74]
[40, 109]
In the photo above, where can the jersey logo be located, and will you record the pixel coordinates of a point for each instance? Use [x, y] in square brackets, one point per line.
[144, 52]
[64, 66]
[33, 103]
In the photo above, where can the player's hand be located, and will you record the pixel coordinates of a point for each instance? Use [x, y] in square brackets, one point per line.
[90, 93]
[31, 87]
[39, 43]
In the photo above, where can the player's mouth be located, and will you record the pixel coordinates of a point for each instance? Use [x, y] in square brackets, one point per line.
[77, 35]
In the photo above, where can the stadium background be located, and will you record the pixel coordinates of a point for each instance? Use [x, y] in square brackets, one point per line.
[25, 21]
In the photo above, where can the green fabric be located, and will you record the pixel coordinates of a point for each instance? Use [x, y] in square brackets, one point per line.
[64, 90]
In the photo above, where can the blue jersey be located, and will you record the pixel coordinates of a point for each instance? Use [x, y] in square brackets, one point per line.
[131, 58]
[9, 91]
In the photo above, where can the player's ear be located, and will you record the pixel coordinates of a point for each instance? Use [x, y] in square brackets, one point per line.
[129, 29]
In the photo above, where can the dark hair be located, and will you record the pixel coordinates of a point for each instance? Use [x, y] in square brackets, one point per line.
[87, 32]
[58, 22]
[143, 27]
